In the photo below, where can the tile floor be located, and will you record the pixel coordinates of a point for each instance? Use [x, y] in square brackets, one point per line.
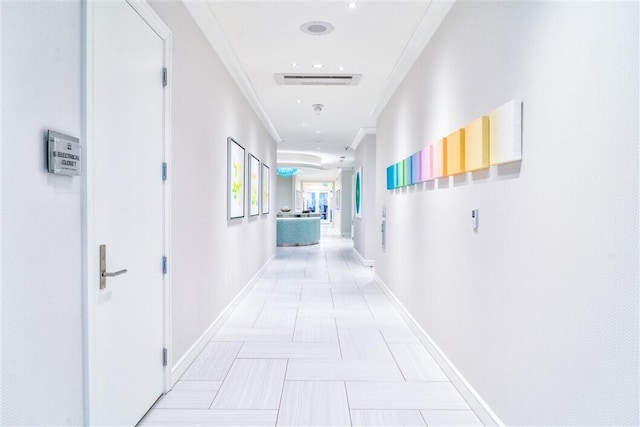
[314, 343]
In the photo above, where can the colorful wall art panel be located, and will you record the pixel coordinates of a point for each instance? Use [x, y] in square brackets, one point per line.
[416, 168]
[476, 144]
[455, 152]
[235, 179]
[401, 182]
[426, 163]
[488, 140]
[358, 192]
[505, 133]
[439, 159]
[407, 171]
[391, 177]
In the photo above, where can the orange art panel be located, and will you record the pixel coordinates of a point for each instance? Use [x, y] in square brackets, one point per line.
[455, 153]
[477, 144]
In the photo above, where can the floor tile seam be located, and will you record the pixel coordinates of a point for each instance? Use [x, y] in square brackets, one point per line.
[335, 322]
[235, 358]
[284, 382]
[393, 356]
[422, 417]
[295, 323]
[346, 393]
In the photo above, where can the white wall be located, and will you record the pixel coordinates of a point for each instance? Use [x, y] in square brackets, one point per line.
[366, 230]
[346, 208]
[539, 308]
[213, 259]
[40, 280]
[285, 196]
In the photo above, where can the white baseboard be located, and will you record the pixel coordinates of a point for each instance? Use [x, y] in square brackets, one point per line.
[365, 262]
[475, 401]
[190, 355]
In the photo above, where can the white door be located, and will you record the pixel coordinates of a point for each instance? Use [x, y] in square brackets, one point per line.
[126, 354]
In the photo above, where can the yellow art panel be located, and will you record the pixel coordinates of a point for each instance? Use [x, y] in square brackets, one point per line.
[455, 153]
[476, 144]
[439, 160]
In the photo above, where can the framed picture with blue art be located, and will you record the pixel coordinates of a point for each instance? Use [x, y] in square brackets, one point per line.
[235, 179]
[357, 190]
[254, 186]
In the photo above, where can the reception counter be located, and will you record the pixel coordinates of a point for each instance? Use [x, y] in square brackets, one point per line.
[295, 229]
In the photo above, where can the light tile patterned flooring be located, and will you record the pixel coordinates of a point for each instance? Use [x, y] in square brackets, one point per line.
[314, 343]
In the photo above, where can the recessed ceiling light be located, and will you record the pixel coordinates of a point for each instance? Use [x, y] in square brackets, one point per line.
[299, 101]
[316, 28]
[318, 148]
[341, 68]
[294, 64]
[317, 131]
[318, 65]
[304, 124]
[352, 5]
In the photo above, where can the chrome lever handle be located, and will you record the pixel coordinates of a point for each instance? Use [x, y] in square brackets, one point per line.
[114, 274]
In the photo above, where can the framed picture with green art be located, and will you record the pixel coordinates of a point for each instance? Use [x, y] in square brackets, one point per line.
[265, 182]
[235, 179]
[254, 186]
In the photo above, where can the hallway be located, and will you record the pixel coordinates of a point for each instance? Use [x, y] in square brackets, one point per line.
[314, 342]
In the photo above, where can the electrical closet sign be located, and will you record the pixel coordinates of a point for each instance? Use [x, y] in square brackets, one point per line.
[64, 154]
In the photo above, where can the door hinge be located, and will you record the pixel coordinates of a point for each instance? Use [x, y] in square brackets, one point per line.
[164, 171]
[165, 80]
[164, 265]
[164, 357]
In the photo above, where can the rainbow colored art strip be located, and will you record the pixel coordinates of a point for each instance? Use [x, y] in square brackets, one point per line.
[488, 140]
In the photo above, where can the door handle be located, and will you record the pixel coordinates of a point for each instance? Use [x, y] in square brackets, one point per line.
[114, 274]
[103, 268]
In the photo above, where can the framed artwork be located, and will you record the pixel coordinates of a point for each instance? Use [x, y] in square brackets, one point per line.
[338, 200]
[358, 193]
[254, 185]
[235, 179]
[265, 189]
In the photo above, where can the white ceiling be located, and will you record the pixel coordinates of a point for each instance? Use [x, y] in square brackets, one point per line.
[378, 39]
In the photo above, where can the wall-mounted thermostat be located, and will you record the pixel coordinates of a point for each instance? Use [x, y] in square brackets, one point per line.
[474, 219]
[65, 154]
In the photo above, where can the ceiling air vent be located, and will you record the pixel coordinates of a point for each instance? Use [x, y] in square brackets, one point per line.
[316, 79]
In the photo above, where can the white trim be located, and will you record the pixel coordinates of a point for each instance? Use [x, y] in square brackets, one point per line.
[365, 262]
[473, 398]
[206, 20]
[433, 17]
[155, 22]
[360, 136]
[89, 258]
[190, 355]
[2, 422]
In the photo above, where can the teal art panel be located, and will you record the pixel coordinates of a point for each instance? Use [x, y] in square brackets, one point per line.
[391, 177]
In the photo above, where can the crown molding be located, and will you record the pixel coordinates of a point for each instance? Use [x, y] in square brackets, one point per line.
[431, 20]
[206, 20]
